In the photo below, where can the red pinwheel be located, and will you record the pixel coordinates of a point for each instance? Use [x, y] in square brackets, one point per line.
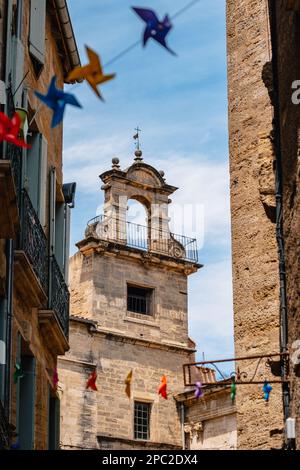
[10, 130]
[91, 383]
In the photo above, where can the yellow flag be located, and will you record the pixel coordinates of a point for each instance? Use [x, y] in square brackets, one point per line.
[128, 384]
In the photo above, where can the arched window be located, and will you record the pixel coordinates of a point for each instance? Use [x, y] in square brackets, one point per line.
[137, 224]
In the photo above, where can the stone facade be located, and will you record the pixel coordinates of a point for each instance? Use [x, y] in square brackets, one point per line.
[210, 421]
[36, 335]
[254, 248]
[109, 337]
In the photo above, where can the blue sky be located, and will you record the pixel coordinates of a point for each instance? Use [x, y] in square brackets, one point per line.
[180, 103]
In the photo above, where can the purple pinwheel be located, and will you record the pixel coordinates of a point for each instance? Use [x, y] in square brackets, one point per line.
[155, 29]
[57, 100]
[199, 390]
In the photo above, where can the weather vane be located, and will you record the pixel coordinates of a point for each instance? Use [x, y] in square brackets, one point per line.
[137, 137]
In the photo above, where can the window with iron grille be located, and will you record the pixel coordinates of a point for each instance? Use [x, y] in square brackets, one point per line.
[139, 300]
[142, 420]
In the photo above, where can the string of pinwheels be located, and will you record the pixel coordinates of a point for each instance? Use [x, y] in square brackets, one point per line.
[57, 100]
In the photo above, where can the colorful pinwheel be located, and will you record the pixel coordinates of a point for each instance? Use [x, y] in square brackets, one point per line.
[10, 130]
[57, 100]
[155, 29]
[92, 72]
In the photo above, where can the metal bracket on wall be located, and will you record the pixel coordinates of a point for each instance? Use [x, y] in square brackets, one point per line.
[245, 370]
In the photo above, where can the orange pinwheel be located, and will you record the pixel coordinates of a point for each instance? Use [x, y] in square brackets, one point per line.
[10, 130]
[163, 387]
[92, 72]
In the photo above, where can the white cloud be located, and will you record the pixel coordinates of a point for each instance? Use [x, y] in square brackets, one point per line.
[200, 207]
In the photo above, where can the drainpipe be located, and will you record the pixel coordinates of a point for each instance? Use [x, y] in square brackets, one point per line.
[66, 25]
[8, 333]
[279, 207]
[182, 425]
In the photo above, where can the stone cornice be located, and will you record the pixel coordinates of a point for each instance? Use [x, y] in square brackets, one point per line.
[91, 245]
[124, 338]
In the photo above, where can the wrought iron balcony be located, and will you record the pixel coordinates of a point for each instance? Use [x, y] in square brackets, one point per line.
[14, 153]
[59, 296]
[33, 241]
[4, 429]
[144, 238]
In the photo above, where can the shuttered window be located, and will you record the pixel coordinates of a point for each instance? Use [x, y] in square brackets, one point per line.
[37, 172]
[37, 30]
[27, 403]
[53, 422]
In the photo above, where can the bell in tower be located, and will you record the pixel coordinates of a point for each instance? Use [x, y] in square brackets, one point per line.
[129, 320]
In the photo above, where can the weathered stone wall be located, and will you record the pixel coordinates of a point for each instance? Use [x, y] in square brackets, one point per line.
[210, 422]
[108, 413]
[25, 310]
[254, 249]
[102, 296]
[288, 39]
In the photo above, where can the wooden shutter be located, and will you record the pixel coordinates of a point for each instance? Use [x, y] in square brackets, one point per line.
[33, 169]
[37, 173]
[27, 403]
[67, 242]
[43, 173]
[53, 423]
[37, 29]
[60, 234]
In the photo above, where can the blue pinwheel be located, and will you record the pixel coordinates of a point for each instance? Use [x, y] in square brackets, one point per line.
[267, 389]
[57, 100]
[155, 29]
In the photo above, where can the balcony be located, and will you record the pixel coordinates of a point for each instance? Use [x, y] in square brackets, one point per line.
[54, 322]
[59, 299]
[10, 175]
[143, 238]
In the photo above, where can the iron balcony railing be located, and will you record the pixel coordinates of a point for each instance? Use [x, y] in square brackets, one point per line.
[4, 429]
[33, 241]
[59, 296]
[143, 237]
[12, 152]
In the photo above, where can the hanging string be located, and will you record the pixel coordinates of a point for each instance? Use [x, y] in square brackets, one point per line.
[136, 43]
[128, 49]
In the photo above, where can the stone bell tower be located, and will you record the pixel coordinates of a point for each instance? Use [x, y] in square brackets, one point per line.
[128, 288]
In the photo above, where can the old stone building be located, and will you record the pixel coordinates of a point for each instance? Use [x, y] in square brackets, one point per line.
[210, 419]
[128, 287]
[263, 64]
[37, 42]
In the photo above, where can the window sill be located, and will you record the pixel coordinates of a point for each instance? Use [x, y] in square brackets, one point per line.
[131, 317]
